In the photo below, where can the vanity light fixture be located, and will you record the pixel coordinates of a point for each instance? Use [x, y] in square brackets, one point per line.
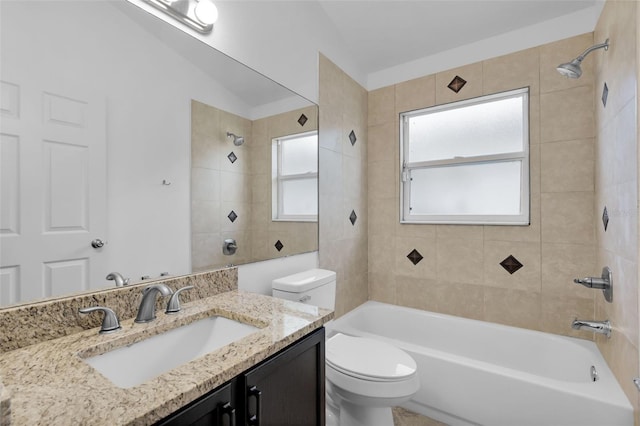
[199, 15]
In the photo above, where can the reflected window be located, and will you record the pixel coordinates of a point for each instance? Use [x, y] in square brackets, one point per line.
[294, 160]
[467, 162]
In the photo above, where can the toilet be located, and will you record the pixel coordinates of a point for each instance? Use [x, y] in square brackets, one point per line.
[365, 377]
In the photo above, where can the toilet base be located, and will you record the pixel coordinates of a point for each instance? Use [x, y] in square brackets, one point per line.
[358, 415]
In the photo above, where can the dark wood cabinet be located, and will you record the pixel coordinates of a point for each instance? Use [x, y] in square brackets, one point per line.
[286, 389]
[213, 409]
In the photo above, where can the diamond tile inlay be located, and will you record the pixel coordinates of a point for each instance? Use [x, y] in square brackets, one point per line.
[302, 120]
[352, 138]
[232, 157]
[232, 216]
[605, 94]
[415, 257]
[353, 217]
[457, 83]
[605, 218]
[511, 264]
[278, 245]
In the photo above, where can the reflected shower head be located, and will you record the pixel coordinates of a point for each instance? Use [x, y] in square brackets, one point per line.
[237, 140]
[572, 69]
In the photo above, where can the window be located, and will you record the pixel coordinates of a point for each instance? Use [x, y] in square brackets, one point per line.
[294, 175]
[467, 162]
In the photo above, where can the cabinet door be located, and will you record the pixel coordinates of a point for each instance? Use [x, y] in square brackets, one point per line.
[288, 389]
[213, 409]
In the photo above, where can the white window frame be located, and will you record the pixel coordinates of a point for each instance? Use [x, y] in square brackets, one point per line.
[406, 167]
[278, 178]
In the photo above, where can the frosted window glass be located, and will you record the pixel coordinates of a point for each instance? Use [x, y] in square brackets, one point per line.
[487, 128]
[477, 189]
[300, 155]
[300, 197]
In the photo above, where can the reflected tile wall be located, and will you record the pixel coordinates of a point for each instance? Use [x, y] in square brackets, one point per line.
[226, 178]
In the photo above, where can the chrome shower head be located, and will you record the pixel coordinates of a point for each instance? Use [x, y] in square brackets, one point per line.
[237, 140]
[572, 69]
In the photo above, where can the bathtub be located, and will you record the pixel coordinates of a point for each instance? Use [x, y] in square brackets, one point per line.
[479, 373]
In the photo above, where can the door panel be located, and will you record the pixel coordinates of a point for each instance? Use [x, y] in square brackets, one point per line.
[53, 201]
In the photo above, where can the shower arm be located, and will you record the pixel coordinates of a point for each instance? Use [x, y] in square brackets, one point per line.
[583, 55]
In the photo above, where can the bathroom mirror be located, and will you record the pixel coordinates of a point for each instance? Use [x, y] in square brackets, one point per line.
[108, 116]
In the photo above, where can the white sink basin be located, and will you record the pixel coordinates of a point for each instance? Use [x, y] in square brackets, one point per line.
[133, 365]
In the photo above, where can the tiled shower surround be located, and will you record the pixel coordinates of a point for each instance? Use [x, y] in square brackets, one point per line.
[231, 188]
[616, 185]
[466, 268]
[472, 271]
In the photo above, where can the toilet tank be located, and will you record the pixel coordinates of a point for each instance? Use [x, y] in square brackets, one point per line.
[315, 287]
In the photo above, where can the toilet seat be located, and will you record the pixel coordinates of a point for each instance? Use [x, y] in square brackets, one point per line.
[368, 359]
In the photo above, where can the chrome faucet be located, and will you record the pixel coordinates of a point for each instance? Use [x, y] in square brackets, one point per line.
[602, 327]
[110, 321]
[118, 278]
[147, 309]
[173, 307]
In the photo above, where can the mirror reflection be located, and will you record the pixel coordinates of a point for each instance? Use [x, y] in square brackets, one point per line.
[103, 133]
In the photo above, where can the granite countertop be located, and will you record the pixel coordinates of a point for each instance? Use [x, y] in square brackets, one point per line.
[50, 384]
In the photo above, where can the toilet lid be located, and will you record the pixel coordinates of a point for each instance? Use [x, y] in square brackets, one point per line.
[368, 359]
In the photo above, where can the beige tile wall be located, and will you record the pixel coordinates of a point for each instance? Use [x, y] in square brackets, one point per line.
[461, 273]
[296, 237]
[219, 186]
[617, 186]
[343, 184]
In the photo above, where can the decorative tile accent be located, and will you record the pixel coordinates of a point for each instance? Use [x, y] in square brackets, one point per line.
[302, 120]
[352, 138]
[605, 94]
[457, 83]
[511, 264]
[232, 157]
[232, 216]
[278, 245]
[415, 257]
[605, 218]
[353, 217]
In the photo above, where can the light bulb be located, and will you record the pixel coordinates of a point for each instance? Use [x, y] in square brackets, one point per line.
[206, 12]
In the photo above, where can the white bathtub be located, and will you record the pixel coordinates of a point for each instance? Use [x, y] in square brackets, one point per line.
[479, 373]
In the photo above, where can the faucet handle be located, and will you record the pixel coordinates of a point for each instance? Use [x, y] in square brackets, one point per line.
[118, 278]
[110, 321]
[174, 302]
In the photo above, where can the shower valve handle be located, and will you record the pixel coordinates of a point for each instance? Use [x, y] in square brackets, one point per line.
[591, 282]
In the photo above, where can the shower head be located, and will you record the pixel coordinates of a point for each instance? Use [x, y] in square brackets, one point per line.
[572, 69]
[237, 140]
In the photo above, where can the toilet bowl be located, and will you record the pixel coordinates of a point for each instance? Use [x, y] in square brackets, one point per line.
[365, 377]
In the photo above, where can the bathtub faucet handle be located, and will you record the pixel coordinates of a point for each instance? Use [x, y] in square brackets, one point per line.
[604, 283]
[592, 282]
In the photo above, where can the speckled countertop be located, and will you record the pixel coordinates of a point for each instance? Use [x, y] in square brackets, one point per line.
[50, 384]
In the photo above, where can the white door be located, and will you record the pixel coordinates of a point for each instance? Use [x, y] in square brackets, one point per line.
[52, 192]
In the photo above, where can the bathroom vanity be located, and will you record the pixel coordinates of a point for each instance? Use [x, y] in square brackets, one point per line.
[274, 375]
[285, 389]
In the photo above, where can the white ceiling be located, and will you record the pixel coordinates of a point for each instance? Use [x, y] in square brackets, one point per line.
[381, 34]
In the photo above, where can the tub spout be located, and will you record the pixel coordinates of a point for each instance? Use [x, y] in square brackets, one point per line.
[602, 327]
